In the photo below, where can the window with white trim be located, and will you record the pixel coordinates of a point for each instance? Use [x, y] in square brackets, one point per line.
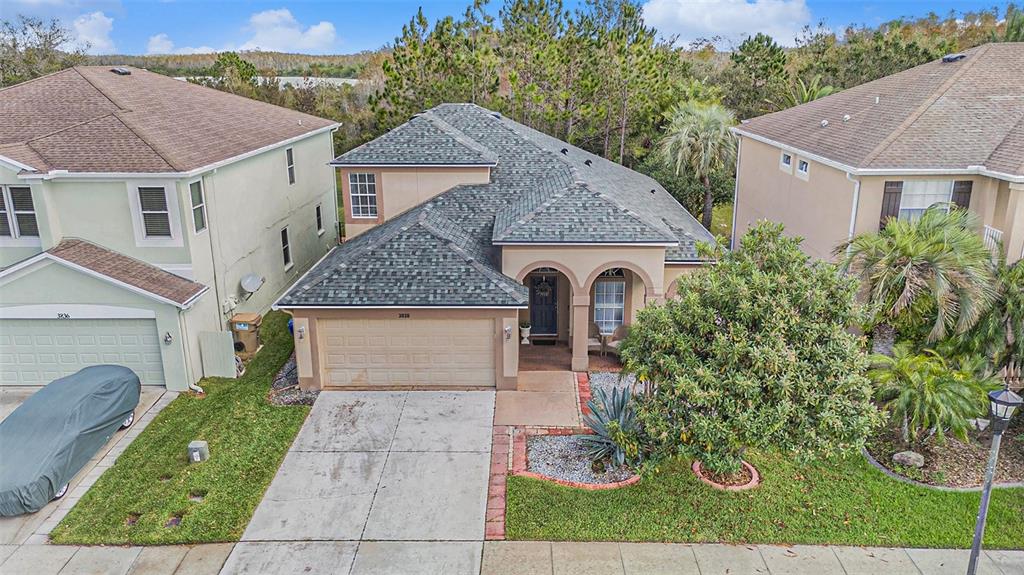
[362, 191]
[290, 158]
[319, 220]
[17, 213]
[156, 217]
[919, 195]
[786, 162]
[286, 249]
[803, 167]
[609, 305]
[195, 190]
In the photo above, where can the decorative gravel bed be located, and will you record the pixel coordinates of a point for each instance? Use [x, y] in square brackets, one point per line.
[565, 457]
[608, 380]
[285, 388]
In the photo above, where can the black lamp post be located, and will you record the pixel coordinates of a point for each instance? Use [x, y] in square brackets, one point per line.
[1002, 404]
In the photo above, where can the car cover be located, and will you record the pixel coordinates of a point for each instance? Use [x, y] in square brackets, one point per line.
[55, 432]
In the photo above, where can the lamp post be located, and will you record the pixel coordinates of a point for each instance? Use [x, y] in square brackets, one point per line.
[1002, 404]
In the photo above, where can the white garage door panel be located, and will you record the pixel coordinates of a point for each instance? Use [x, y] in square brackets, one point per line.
[38, 351]
[407, 352]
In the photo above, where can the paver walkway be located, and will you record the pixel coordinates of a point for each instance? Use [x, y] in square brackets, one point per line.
[386, 482]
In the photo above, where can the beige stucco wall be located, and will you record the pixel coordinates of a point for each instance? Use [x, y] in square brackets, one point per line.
[308, 352]
[399, 189]
[816, 209]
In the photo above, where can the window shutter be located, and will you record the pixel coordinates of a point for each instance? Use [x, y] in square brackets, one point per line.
[890, 202]
[962, 193]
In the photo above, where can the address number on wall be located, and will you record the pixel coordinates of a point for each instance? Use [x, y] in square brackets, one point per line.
[61, 315]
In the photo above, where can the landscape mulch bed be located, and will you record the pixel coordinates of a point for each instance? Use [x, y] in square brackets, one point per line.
[285, 388]
[956, 463]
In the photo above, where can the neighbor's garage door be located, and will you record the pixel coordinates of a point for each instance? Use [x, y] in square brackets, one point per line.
[37, 351]
[382, 352]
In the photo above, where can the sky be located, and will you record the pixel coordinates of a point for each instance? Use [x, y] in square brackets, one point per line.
[348, 26]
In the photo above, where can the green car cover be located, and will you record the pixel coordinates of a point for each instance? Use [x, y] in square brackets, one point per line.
[57, 430]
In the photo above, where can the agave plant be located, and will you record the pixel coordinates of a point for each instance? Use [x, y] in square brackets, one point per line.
[613, 421]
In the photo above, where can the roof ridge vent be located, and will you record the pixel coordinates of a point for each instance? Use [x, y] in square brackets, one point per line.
[954, 57]
[588, 162]
[121, 71]
[565, 151]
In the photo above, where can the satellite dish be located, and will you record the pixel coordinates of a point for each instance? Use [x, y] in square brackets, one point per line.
[251, 282]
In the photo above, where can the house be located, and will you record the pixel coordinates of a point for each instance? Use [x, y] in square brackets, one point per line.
[461, 224]
[948, 131]
[133, 205]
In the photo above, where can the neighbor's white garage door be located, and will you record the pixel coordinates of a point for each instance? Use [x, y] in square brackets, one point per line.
[428, 352]
[37, 351]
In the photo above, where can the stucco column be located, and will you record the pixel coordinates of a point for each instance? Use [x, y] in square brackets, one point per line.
[1013, 233]
[307, 358]
[580, 330]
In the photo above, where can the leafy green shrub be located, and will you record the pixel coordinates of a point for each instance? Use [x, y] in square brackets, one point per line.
[928, 395]
[613, 420]
[754, 352]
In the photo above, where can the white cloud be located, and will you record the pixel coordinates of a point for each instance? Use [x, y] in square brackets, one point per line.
[95, 28]
[278, 30]
[162, 44]
[732, 20]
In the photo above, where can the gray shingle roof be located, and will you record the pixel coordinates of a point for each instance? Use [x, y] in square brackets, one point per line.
[444, 252]
[939, 115]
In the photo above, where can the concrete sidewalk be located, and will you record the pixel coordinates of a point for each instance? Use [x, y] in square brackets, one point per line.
[496, 558]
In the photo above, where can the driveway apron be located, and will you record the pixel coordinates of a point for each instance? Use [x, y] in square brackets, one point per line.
[396, 481]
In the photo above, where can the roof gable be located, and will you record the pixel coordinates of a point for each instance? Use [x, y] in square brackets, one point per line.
[424, 140]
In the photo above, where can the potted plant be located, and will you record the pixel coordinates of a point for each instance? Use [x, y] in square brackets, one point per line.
[524, 332]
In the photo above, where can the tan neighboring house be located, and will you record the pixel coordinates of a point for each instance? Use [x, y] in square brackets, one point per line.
[461, 224]
[132, 205]
[949, 131]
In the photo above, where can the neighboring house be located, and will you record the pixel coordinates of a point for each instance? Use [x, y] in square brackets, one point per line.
[947, 131]
[132, 206]
[463, 223]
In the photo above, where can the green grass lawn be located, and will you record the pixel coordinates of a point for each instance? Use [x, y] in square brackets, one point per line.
[721, 220]
[153, 480]
[846, 502]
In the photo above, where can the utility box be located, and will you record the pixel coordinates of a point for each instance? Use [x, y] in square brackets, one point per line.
[198, 451]
[246, 330]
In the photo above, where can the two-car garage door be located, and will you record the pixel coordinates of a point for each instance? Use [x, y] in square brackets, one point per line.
[37, 351]
[407, 352]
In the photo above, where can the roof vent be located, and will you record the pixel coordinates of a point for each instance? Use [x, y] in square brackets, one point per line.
[953, 57]
[121, 71]
[846, 117]
[653, 191]
[588, 162]
[565, 151]
[824, 123]
[496, 115]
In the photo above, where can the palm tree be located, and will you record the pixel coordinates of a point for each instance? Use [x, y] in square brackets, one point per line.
[697, 142]
[937, 265]
[1014, 30]
[804, 92]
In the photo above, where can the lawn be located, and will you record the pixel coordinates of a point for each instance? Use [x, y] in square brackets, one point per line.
[153, 481]
[846, 502]
[721, 220]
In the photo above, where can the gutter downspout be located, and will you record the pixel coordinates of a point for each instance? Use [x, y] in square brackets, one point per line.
[184, 348]
[736, 194]
[853, 208]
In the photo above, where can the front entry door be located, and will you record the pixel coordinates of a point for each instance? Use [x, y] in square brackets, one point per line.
[543, 297]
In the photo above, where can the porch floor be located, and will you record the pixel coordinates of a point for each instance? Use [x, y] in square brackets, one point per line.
[558, 357]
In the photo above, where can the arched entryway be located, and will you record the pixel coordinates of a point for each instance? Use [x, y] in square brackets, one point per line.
[549, 318]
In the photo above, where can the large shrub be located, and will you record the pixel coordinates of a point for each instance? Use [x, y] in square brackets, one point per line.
[754, 352]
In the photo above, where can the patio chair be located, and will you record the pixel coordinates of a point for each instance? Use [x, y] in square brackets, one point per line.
[618, 336]
[594, 339]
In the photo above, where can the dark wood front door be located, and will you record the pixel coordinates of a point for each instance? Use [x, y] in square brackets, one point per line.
[543, 311]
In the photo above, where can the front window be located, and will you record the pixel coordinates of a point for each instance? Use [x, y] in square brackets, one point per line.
[609, 305]
[198, 205]
[363, 195]
[17, 213]
[286, 249]
[919, 195]
[290, 157]
[319, 220]
[156, 217]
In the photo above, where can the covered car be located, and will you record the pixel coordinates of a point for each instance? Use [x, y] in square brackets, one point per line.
[57, 430]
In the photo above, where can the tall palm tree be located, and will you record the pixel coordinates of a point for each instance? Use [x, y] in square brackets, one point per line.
[937, 263]
[697, 142]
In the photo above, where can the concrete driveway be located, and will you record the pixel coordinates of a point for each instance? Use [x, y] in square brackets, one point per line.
[385, 482]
